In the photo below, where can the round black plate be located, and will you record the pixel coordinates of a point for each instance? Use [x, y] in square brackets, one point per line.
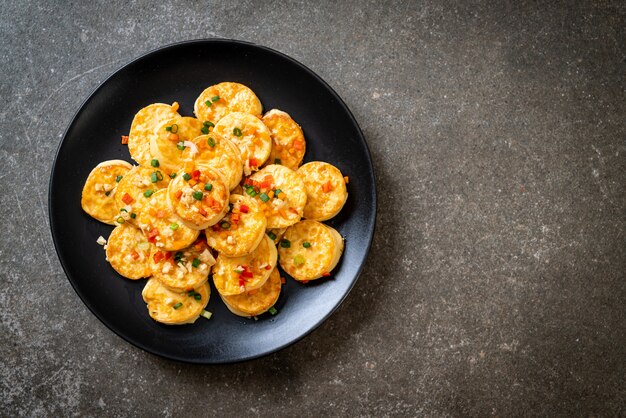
[180, 72]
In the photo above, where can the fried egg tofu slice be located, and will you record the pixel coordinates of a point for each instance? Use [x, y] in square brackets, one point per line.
[135, 189]
[258, 301]
[325, 189]
[217, 152]
[174, 308]
[158, 218]
[128, 251]
[198, 195]
[241, 230]
[318, 258]
[237, 190]
[250, 135]
[288, 144]
[286, 207]
[236, 275]
[219, 100]
[143, 128]
[168, 144]
[182, 270]
[98, 195]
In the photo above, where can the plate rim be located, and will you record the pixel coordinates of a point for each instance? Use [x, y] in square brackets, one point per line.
[196, 360]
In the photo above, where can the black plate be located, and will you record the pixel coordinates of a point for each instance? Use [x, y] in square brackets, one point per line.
[180, 72]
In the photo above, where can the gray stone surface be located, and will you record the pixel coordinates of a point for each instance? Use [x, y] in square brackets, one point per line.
[496, 281]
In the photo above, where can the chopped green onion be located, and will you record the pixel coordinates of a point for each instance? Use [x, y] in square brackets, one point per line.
[285, 243]
[204, 130]
[306, 244]
[298, 260]
[173, 175]
[148, 193]
[178, 305]
[211, 142]
[123, 210]
[198, 195]
[208, 123]
[208, 187]
[238, 271]
[107, 193]
[206, 314]
[208, 103]
[174, 226]
[250, 191]
[174, 128]
[197, 296]
[237, 132]
[191, 292]
[276, 160]
[168, 128]
[215, 98]
[118, 178]
[120, 220]
[271, 235]
[133, 215]
[264, 197]
[180, 145]
[154, 163]
[225, 225]
[178, 256]
[154, 178]
[186, 176]
[277, 192]
[272, 310]
[195, 262]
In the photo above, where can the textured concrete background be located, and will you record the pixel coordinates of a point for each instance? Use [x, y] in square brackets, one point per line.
[497, 279]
